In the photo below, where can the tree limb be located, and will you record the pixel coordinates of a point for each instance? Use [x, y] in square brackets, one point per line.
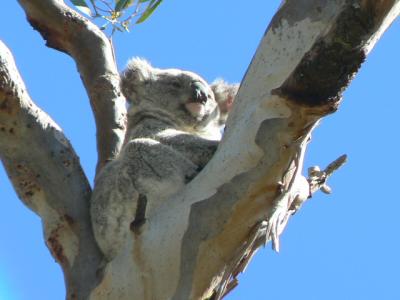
[67, 31]
[242, 199]
[48, 178]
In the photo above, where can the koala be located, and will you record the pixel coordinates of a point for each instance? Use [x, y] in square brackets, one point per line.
[224, 95]
[173, 131]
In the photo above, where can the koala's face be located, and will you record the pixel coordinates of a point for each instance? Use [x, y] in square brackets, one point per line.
[184, 95]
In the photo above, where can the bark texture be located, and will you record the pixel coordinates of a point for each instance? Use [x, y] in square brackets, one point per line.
[67, 31]
[203, 237]
[48, 178]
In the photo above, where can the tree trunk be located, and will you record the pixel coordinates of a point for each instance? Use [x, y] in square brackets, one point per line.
[202, 238]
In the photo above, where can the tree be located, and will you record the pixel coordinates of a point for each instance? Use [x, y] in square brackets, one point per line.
[239, 102]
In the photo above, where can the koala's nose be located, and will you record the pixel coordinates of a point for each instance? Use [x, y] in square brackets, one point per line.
[199, 92]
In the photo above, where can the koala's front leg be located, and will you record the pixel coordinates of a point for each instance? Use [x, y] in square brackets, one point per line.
[199, 150]
[157, 170]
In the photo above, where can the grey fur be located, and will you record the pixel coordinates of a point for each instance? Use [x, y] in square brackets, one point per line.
[172, 121]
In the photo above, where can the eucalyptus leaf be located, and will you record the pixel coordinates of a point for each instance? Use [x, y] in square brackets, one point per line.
[122, 4]
[150, 9]
[82, 6]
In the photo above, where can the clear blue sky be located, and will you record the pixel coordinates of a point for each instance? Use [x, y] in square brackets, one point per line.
[343, 246]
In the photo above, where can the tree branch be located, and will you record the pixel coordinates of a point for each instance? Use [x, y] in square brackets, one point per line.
[48, 178]
[67, 31]
[243, 197]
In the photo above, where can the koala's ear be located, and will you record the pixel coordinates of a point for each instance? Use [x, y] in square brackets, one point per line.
[138, 69]
[224, 94]
[137, 72]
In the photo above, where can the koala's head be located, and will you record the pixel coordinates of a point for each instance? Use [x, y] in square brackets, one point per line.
[184, 95]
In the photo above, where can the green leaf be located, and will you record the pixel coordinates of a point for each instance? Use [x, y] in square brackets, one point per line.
[82, 6]
[150, 9]
[122, 4]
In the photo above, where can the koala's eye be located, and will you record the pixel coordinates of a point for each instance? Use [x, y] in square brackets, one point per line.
[177, 84]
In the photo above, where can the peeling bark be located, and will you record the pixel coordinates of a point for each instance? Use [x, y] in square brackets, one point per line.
[203, 237]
